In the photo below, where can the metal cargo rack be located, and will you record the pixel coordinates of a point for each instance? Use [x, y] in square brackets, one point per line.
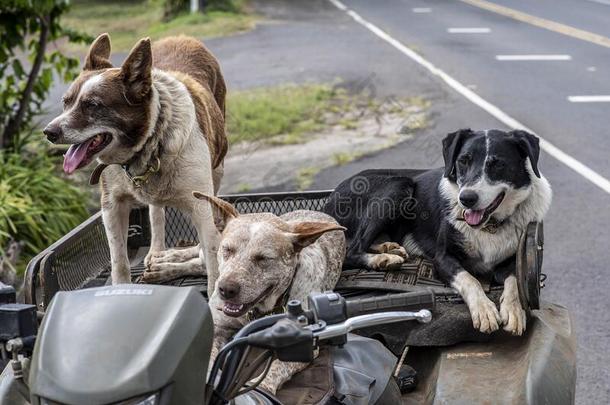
[81, 259]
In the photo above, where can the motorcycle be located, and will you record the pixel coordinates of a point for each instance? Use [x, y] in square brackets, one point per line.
[149, 345]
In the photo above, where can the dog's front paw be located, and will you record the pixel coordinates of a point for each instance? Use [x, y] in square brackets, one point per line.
[513, 317]
[485, 315]
[152, 255]
[386, 261]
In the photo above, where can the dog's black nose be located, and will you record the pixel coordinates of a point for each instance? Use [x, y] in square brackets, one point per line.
[52, 132]
[228, 289]
[469, 198]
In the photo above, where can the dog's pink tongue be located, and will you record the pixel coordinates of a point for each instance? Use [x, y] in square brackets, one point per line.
[473, 217]
[75, 155]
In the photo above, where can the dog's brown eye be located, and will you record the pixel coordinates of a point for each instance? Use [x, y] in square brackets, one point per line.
[464, 160]
[89, 103]
[261, 258]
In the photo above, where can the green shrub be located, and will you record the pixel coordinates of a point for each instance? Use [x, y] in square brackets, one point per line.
[36, 205]
[27, 27]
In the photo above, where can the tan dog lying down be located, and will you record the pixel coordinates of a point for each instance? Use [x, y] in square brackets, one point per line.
[264, 261]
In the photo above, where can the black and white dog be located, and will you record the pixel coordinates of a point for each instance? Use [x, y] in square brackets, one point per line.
[467, 217]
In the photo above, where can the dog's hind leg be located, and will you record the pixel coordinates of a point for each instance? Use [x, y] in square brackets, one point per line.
[177, 255]
[217, 175]
[162, 272]
[115, 214]
[392, 248]
[385, 256]
[374, 261]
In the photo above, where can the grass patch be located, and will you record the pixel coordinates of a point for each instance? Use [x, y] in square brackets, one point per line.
[267, 113]
[243, 188]
[305, 177]
[128, 21]
[343, 158]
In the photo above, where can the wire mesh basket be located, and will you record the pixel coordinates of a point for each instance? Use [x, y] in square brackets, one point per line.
[81, 259]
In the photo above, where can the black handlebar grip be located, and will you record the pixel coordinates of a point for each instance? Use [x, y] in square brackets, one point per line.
[412, 301]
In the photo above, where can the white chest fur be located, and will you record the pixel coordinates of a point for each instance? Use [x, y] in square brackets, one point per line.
[490, 248]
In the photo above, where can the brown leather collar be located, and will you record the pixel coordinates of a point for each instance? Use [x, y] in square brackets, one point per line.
[137, 181]
[96, 174]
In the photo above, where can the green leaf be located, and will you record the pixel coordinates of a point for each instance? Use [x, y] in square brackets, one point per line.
[18, 68]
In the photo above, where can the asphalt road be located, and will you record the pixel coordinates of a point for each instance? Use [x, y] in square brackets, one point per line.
[314, 41]
[536, 94]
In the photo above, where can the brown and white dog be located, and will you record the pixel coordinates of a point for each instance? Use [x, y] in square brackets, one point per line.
[264, 261]
[157, 123]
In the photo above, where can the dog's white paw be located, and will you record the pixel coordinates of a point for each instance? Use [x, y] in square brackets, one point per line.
[513, 317]
[485, 315]
[392, 248]
[157, 258]
[150, 257]
[156, 266]
[386, 261]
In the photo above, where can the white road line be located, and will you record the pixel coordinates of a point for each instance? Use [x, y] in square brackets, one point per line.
[589, 99]
[533, 57]
[605, 2]
[467, 30]
[500, 115]
[421, 10]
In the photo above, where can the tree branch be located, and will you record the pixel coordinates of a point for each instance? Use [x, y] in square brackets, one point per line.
[14, 124]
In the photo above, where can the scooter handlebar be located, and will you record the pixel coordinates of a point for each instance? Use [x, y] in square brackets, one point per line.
[411, 301]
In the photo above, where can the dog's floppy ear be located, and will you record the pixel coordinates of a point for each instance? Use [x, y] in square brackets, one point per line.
[226, 210]
[304, 234]
[136, 72]
[451, 147]
[529, 146]
[98, 56]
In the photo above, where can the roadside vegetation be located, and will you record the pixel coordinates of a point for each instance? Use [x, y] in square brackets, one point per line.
[37, 205]
[285, 114]
[128, 21]
[280, 115]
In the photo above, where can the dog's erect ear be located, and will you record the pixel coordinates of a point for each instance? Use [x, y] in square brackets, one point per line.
[225, 210]
[136, 71]
[451, 147]
[304, 234]
[529, 146]
[98, 56]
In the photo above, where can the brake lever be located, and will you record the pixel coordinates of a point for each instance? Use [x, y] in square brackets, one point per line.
[363, 321]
